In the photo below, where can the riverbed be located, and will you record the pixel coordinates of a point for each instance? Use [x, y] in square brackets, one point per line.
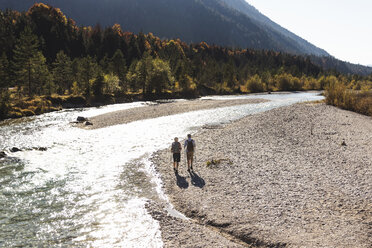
[90, 187]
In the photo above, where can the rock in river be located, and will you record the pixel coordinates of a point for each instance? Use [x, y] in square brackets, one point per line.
[2, 154]
[81, 119]
[15, 149]
[42, 149]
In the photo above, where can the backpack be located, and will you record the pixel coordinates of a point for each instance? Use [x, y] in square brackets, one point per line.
[190, 146]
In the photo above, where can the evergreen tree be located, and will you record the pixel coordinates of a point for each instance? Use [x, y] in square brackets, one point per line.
[98, 86]
[26, 59]
[142, 73]
[4, 104]
[133, 50]
[62, 72]
[118, 66]
[106, 65]
[4, 72]
[88, 69]
[43, 78]
[131, 77]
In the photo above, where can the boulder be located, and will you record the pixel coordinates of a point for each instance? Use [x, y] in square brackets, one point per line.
[42, 149]
[81, 119]
[2, 155]
[88, 123]
[15, 149]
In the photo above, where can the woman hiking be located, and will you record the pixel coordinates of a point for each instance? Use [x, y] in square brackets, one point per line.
[176, 150]
[190, 149]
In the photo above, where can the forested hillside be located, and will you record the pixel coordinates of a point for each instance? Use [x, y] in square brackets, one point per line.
[195, 21]
[44, 53]
[231, 23]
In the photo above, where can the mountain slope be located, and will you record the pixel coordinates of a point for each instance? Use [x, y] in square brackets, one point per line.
[272, 27]
[322, 58]
[213, 21]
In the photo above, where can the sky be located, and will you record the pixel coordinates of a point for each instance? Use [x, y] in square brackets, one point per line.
[341, 27]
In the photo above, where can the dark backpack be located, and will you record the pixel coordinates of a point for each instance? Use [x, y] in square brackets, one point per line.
[190, 146]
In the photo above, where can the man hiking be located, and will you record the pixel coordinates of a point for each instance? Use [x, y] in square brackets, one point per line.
[176, 150]
[190, 149]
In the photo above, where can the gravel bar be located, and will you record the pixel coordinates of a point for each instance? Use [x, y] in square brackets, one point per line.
[296, 176]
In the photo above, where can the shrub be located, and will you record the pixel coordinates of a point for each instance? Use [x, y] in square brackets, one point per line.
[27, 112]
[111, 84]
[224, 88]
[311, 84]
[284, 82]
[54, 109]
[15, 115]
[296, 83]
[78, 100]
[254, 84]
[337, 94]
[363, 103]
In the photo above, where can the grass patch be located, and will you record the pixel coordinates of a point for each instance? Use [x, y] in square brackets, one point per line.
[215, 163]
[18, 107]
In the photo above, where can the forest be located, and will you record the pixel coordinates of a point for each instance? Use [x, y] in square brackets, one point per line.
[48, 62]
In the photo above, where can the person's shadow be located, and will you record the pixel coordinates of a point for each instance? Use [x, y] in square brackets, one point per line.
[181, 181]
[196, 180]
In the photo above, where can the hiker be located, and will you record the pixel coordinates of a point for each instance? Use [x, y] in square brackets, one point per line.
[176, 150]
[190, 149]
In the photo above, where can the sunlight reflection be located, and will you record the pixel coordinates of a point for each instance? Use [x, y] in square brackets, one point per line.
[90, 187]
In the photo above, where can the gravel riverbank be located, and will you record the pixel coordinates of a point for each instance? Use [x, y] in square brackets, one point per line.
[297, 176]
[161, 109]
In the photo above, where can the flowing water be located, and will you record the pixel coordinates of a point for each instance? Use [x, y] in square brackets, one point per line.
[90, 187]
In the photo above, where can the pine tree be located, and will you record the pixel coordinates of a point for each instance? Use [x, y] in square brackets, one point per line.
[87, 71]
[4, 104]
[142, 73]
[62, 72]
[98, 86]
[118, 65]
[4, 72]
[43, 78]
[26, 59]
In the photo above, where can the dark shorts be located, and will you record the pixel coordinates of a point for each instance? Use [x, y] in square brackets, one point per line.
[177, 157]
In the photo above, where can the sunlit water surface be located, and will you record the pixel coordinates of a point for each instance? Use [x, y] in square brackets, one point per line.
[90, 187]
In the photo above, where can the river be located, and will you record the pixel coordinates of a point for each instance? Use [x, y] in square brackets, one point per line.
[89, 188]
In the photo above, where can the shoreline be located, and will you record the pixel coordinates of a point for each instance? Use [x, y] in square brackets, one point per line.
[57, 103]
[292, 182]
[155, 110]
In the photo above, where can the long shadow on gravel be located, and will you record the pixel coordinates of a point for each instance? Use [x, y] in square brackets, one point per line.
[196, 180]
[181, 181]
